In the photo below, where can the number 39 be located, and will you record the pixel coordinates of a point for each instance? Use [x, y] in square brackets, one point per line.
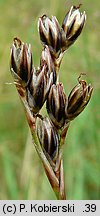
[90, 208]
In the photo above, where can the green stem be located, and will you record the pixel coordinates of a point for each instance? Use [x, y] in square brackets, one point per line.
[49, 171]
[56, 180]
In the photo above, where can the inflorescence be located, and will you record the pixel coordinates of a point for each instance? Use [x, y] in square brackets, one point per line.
[41, 85]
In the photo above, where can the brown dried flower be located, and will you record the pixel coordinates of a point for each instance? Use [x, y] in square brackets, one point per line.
[56, 103]
[78, 99]
[72, 26]
[21, 60]
[48, 137]
[40, 82]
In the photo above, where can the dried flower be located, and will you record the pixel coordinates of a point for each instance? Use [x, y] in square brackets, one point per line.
[72, 26]
[46, 57]
[59, 39]
[50, 33]
[78, 99]
[56, 103]
[21, 60]
[48, 137]
[40, 82]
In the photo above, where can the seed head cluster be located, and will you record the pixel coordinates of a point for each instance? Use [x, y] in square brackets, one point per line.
[41, 85]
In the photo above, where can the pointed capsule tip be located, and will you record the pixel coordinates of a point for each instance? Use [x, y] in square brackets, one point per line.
[17, 41]
[79, 77]
[43, 16]
[77, 7]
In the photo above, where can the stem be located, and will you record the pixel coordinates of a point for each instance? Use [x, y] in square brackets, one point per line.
[59, 164]
[57, 62]
[62, 184]
[55, 175]
[32, 121]
[49, 171]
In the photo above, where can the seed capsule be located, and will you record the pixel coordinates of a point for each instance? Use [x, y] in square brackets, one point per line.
[46, 57]
[48, 137]
[40, 82]
[56, 103]
[50, 33]
[72, 26]
[78, 99]
[60, 38]
[21, 60]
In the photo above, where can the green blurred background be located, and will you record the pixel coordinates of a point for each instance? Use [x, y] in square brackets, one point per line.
[21, 172]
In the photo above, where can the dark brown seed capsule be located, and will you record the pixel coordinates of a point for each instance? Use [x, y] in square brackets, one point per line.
[56, 103]
[48, 137]
[21, 60]
[41, 82]
[72, 26]
[78, 99]
[50, 32]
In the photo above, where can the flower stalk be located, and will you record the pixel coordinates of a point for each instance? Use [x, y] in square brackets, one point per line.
[37, 86]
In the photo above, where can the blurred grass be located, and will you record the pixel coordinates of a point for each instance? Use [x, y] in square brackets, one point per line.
[21, 172]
